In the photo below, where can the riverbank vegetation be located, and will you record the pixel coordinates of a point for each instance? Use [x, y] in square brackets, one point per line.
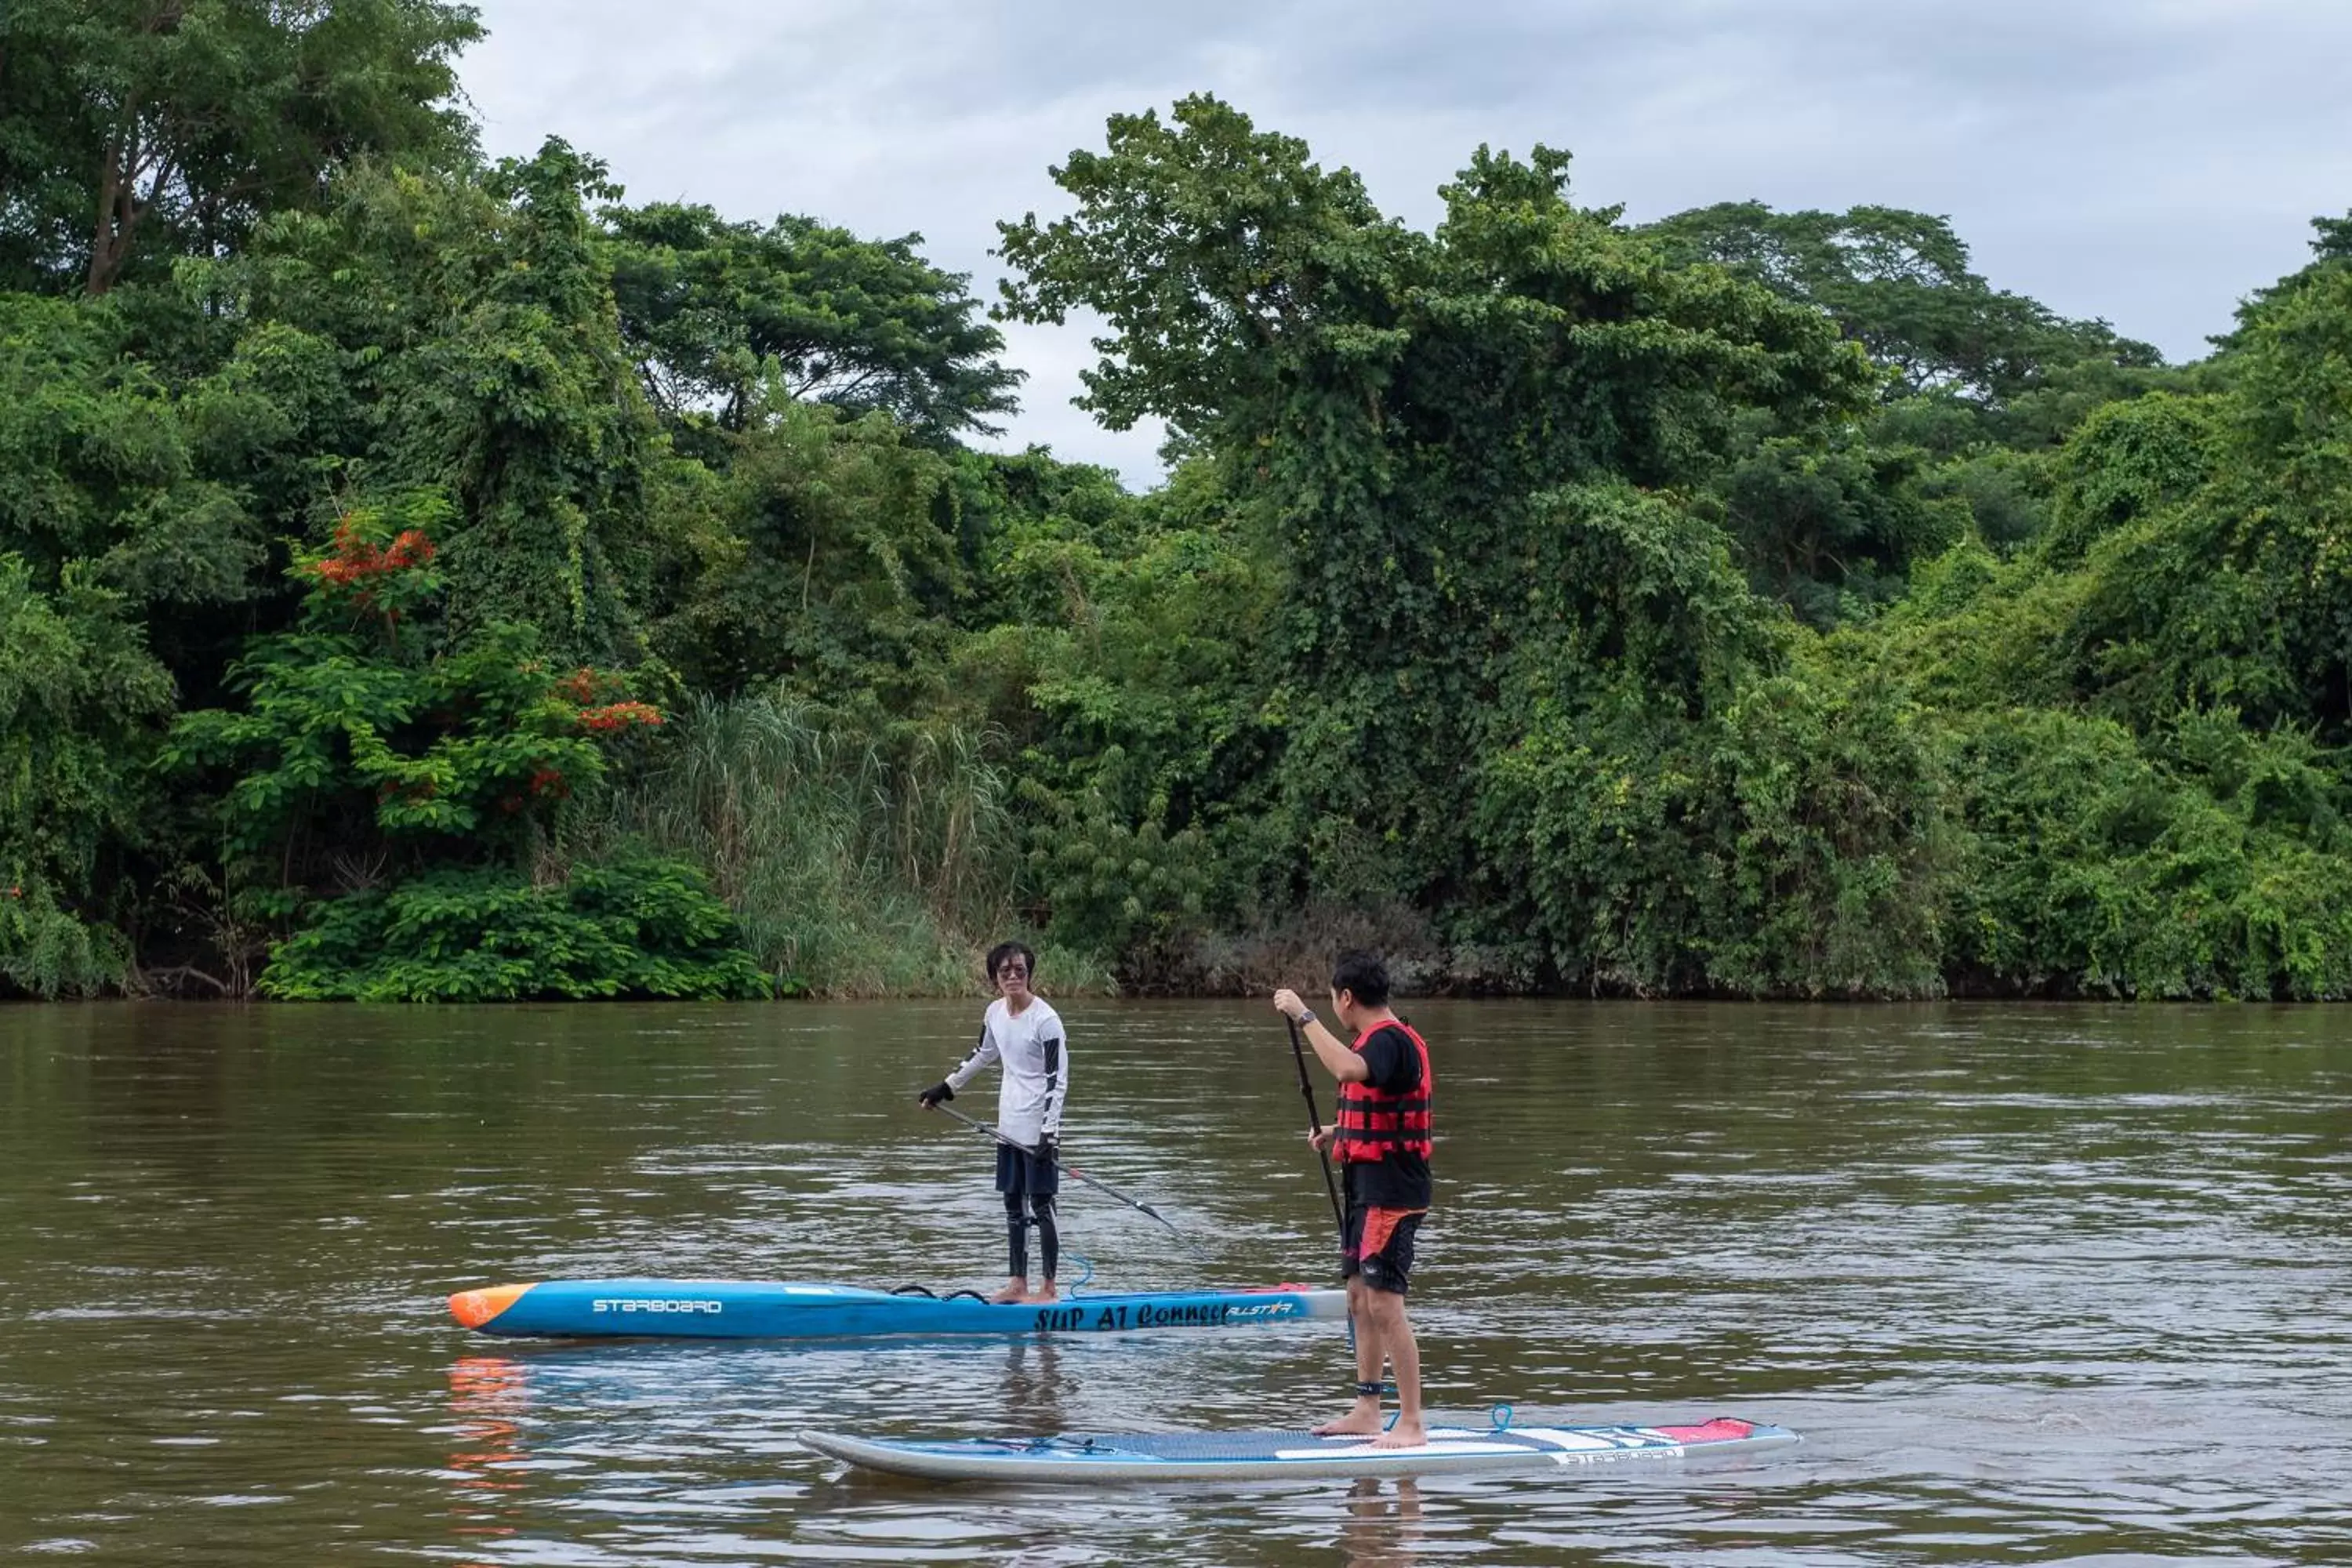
[424, 577]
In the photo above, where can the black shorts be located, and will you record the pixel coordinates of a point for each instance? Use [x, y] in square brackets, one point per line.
[1388, 1265]
[1020, 1171]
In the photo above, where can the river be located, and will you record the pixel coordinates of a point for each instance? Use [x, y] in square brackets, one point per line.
[2037, 1285]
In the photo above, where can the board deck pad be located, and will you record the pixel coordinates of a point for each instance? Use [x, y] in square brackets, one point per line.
[738, 1308]
[1274, 1455]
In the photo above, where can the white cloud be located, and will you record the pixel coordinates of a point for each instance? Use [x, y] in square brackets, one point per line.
[2148, 160]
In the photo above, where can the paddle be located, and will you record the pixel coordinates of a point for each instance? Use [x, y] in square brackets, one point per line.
[1104, 1187]
[1314, 1123]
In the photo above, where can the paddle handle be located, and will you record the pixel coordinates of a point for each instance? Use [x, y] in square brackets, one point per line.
[1315, 1124]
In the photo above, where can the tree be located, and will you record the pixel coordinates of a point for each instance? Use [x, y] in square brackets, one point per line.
[371, 733]
[1439, 429]
[1898, 283]
[1221, 256]
[129, 562]
[1118, 642]
[2223, 578]
[728, 318]
[827, 556]
[1972, 376]
[160, 126]
[105, 467]
[1831, 527]
[79, 700]
[2331, 253]
[471, 347]
[390, 777]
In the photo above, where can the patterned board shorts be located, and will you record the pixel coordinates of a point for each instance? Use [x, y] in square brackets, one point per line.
[1379, 1246]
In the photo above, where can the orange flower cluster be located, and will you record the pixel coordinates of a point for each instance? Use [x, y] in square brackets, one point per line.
[354, 560]
[619, 716]
[581, 685]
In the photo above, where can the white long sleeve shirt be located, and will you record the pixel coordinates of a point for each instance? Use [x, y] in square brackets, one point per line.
[1036, 1065]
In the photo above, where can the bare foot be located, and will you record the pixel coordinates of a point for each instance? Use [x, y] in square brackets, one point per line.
[1043, 1294]
[1011, 1295]
[1401, 1435]
[1363, 1421]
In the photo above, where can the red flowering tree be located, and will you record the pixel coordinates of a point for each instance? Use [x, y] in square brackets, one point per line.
[390, 777]
[366, 731]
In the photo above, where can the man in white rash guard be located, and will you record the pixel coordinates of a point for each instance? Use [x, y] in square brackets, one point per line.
[1023, 1033]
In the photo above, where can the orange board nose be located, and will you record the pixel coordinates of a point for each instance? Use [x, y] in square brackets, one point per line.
[474, 1308]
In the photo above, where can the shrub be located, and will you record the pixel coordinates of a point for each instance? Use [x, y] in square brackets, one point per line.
[645, 927]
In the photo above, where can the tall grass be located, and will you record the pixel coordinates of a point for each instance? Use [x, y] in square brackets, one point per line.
[861, 861]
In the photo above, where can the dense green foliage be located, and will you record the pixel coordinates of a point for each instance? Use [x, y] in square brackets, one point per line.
[1973, 379]
[429, 579]
[484, 935]
[134, 131]
[415, 765]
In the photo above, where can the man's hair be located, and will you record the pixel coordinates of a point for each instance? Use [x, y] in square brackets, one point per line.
[1004, 950]
[1363, 977]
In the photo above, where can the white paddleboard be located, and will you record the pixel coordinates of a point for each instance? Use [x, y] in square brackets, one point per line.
[1273, 1456]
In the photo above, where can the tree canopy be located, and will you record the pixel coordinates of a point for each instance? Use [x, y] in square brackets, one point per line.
[427, 578]
[725, 318]
[135, 129]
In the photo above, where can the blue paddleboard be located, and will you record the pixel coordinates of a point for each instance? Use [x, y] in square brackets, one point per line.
[737, 1308]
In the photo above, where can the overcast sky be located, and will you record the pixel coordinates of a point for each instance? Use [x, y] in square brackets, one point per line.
[2147, 161]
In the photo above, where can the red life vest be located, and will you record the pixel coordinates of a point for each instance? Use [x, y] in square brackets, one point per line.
[1372, 1122]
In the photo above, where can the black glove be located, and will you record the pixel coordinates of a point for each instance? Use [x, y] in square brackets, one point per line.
[1049, 1147]
[934, 1094]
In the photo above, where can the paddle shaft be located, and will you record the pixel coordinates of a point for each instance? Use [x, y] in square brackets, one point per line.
[1315, 1124]
[1104, 1187]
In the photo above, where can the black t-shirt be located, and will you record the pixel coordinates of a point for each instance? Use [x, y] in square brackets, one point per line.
[1398, 1180]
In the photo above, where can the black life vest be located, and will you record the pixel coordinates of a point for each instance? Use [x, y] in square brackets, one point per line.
[1372, 1122]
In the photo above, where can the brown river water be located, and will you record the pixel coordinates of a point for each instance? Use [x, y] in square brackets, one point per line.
[2037, 1285]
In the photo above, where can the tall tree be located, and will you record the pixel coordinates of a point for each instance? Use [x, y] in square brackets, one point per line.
[1899, 283]
[1972, 377]
[472, 319]
[1444, 429]
[2331, 253]
[155, 127]
[723, 317]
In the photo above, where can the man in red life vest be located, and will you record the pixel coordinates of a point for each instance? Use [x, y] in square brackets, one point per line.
[1381, 1139]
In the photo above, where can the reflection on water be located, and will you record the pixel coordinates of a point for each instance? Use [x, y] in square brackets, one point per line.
[2039, 1284]
[1031, 1400]
[487, 1395]
[1383, 1526]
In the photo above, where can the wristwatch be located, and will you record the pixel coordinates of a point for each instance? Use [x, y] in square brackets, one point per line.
[1307, 1017]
